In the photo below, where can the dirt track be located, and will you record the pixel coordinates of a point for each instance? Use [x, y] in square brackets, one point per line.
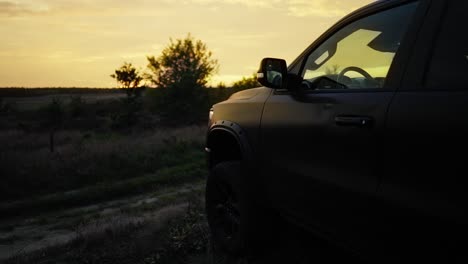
[147, 212]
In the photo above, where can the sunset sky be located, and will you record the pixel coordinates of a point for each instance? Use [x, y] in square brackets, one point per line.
[79, 43]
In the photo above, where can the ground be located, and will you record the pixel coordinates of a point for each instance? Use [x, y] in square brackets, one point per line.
[143, 226]
[92, 177]
[88, 178]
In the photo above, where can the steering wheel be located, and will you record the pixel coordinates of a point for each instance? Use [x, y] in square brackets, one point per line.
[358, 70]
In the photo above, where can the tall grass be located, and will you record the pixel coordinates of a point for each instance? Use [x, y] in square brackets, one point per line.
[175, 234]
[81, 159]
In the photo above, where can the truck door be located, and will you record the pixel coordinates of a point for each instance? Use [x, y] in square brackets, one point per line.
[424, 187]
[322, 148]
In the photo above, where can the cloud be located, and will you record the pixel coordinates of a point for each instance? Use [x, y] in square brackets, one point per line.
[89, 59]
[48, 40]
[249, 3]
[82, 7]
[323, 8]
[134, 55]
[13, 9]
[297, 8]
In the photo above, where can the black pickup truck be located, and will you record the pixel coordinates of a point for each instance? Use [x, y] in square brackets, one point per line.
[362, 140]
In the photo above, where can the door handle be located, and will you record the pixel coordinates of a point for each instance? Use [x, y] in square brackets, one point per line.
[359, 121]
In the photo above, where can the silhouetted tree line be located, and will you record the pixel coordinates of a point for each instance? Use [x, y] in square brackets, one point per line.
[180, 76]
[28, 92]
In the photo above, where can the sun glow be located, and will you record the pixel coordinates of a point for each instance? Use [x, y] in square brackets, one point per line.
[52, 43]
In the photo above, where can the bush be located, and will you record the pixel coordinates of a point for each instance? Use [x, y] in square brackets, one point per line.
[247, 83]
[178, 105]
[128, 114]
[55, 113]
[77, 106]
[7, 107]
[181, 73]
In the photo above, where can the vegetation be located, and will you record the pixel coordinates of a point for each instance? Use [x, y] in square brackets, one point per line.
[18, 92]
[84, 159]
[181, 72]
[185, 63]
[180, 75]
[64, 148]
[246, 83]
[180, 236]
[95, 161]
[55, 116]
[6, 107]
[128, 77]
[332, 70]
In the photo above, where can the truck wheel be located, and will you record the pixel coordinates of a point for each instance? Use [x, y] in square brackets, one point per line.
[223, 207]
[236, 224]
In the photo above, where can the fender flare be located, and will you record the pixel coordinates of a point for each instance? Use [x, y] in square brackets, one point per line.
[236, 131]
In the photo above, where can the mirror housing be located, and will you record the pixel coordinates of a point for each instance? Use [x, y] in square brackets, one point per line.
[273, 73]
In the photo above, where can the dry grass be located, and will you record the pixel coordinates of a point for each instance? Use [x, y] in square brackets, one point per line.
[36, 102]
[99, 156]
[174, 234]
[28, 167]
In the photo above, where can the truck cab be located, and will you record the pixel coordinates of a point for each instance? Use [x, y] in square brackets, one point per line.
[360, 140]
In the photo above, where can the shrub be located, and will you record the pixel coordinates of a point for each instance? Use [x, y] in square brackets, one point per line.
[76, 106]
[181, 74]
[129, 112]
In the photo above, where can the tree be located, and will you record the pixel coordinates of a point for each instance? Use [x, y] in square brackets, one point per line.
[182, 72]
[128, 77]
[246, 83]
[185, 62]
[221, 85]
[332, 70]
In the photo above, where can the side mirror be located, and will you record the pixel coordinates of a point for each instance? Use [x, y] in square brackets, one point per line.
[273, 73]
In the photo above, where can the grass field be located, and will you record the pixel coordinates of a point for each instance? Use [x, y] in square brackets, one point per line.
[36, 102]
[80, 188]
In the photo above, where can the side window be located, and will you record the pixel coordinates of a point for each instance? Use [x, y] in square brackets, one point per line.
[449, 65]
[359, 55]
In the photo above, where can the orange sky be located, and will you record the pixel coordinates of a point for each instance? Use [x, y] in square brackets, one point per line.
[79, 43]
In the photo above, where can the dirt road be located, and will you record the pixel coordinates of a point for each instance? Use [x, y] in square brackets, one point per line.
[147, 213]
